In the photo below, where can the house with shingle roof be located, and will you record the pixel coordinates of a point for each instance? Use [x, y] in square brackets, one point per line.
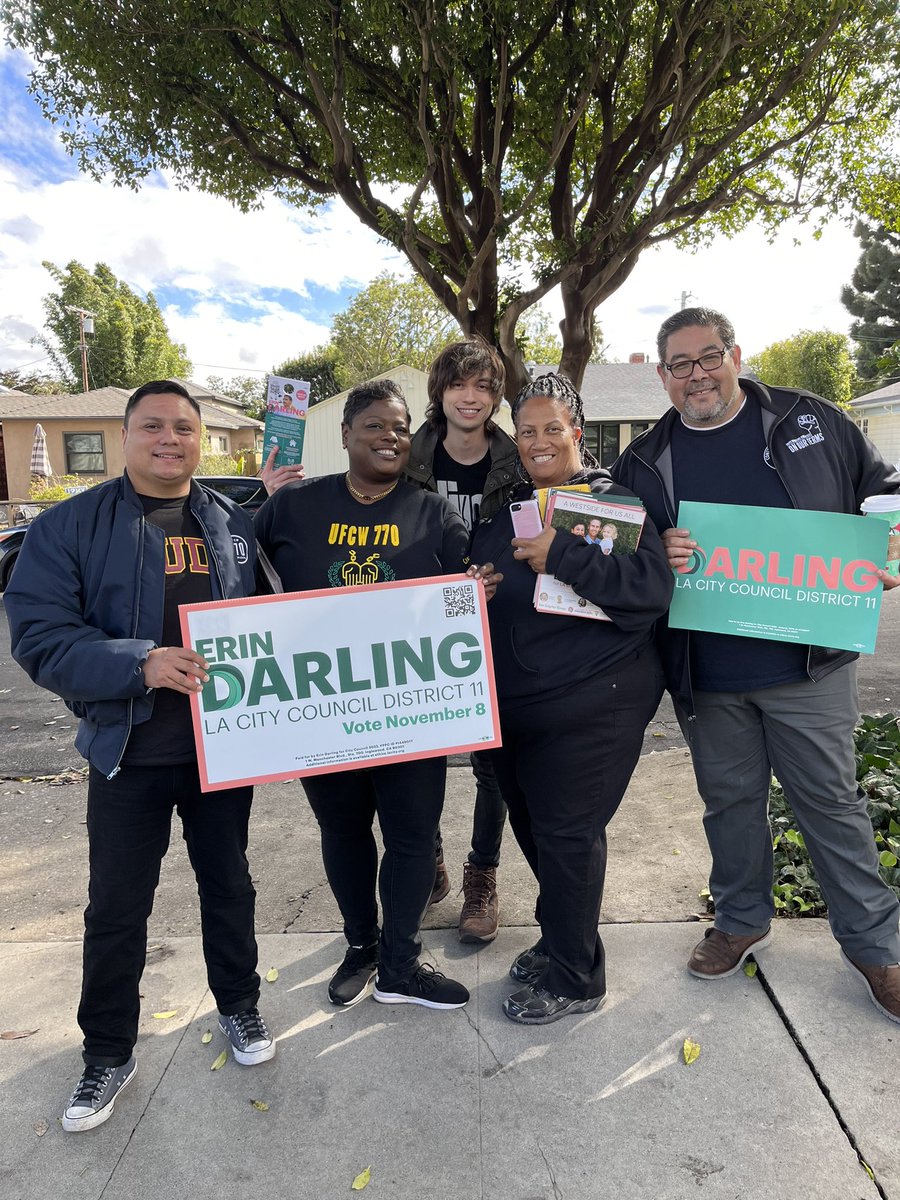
[84, 432]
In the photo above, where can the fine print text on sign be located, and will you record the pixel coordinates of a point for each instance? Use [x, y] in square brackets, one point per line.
[312, 682]
[781, 574]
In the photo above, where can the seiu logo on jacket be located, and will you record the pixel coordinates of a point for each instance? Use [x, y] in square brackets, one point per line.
[812, 434]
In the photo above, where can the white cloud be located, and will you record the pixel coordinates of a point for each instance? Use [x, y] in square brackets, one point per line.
[162, 238]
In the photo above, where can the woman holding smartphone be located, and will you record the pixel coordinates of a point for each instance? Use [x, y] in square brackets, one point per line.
[575, 697]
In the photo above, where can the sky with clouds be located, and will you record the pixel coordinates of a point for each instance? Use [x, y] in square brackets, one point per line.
[245, 291]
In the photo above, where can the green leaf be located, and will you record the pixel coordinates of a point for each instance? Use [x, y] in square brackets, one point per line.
[690, 1051]
[259, 1105]
[271, 974]
[750, 969]
[362, 1180]
[220, 1061]
[887, 859]
[164, 1016]
[207, 1037]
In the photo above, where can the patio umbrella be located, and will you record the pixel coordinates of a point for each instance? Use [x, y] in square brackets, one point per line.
[40, 459]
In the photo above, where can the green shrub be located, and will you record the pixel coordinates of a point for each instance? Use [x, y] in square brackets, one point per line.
[796, 888]
[55, 487]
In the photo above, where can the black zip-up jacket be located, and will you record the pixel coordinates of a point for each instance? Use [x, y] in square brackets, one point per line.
[501, 477]
[824, 461]
[536, 654]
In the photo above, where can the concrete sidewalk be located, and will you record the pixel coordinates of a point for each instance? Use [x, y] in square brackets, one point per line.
[796, 1078]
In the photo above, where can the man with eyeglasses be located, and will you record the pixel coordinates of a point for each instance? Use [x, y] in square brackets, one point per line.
[748, 706]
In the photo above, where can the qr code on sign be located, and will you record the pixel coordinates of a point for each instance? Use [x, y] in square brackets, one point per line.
[459, 601]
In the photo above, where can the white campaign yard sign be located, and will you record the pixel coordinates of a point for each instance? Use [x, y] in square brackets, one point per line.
[310, 682]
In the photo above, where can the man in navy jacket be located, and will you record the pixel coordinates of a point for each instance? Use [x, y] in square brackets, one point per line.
[748, 706]
[93, 613]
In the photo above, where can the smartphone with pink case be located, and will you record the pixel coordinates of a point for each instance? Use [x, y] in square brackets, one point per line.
[526, 518]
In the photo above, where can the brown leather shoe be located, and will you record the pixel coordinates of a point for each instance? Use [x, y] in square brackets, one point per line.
[722, 954]
[441, 879]
[480, 914]
[883, 984]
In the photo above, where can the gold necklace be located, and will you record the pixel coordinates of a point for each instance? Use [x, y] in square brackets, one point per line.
[363, 496]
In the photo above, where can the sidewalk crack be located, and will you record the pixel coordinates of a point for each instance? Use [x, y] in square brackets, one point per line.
[819, 1081]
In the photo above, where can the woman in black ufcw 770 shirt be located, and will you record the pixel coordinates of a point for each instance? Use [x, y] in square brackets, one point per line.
[370, 526]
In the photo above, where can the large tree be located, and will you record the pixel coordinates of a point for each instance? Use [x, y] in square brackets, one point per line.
[565, 135]
[816, 360]
[873, 297]
[130, 343]
[391, 322]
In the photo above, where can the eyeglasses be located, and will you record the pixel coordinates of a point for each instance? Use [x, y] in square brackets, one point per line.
[685, 366]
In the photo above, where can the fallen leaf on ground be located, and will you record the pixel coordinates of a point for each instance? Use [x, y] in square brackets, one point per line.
[12, 1035]
[362, 1180]
[40, 1127]
[207, 1037]
[658, 734]
[691, 1051]
[676, 851]
[220, 1061]
[749, 969]
[271, 974]
[259, 1105]
[164, 1016]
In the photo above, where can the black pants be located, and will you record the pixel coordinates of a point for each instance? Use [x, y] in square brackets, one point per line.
[489, 817]
[408, 798]
[129, 819]
[563, 768]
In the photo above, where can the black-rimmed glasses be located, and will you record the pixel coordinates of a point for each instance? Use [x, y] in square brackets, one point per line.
[707, 362]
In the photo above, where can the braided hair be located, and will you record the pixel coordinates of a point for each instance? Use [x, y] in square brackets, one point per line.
[561, 389]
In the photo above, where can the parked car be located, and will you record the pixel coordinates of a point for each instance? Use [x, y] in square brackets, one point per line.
[248, 493]
[10, 541]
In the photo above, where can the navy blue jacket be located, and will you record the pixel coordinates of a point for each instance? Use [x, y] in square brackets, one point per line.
[824, 461]
[85, 603]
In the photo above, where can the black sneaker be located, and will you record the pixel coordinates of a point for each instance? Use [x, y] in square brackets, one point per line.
[536, 1006]
[427, 987]
[350, 982]
[530, 965]
[251, 1042]
[95, 1096]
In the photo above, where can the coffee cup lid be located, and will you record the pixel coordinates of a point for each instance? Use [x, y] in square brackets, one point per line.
[880, 504]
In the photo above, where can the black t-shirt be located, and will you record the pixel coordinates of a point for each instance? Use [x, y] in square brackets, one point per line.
[729, 464]
[317, 535]
[167, 738]
[461, 483]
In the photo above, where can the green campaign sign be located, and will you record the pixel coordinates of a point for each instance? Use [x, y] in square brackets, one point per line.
[781, 574]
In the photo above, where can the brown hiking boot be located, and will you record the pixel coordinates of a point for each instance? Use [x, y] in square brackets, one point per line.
[441, 879]
[883, 985]
[480, 914]
[722, 954]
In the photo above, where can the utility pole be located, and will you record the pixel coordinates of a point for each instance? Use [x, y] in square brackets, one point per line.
[85, 328]
[685, 296]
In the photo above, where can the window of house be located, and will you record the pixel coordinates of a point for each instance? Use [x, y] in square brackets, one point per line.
[84, 454]
[602, 439]
[609, 444]
[864, 425]
[639, 427]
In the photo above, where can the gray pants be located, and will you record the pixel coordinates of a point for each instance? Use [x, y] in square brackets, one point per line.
[804, 733]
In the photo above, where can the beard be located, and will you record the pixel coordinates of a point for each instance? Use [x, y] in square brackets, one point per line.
[712, 407]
